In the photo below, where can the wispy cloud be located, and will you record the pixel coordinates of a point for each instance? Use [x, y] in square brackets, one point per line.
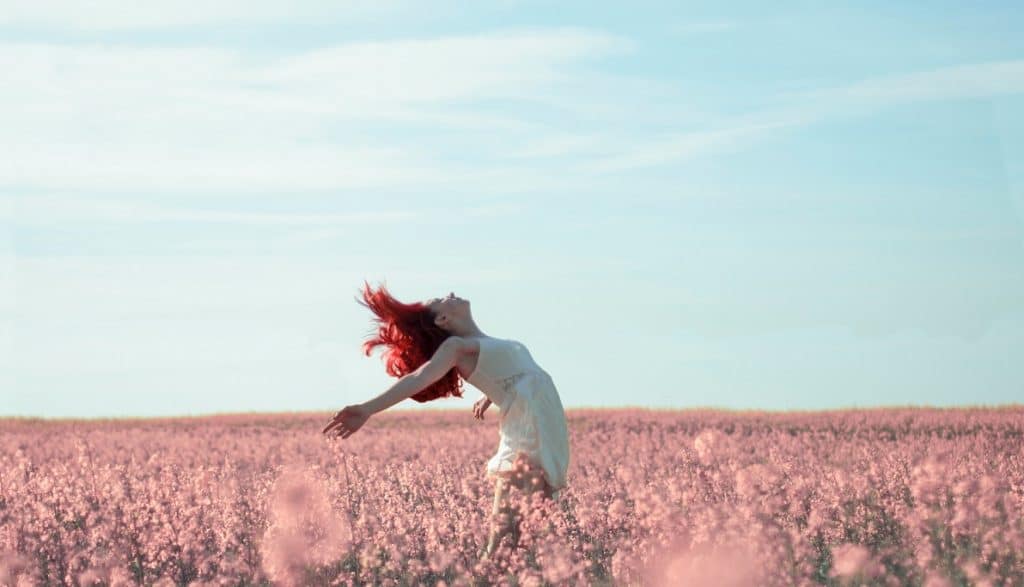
[946, 83]
[559, 145]
[807, 107]
[47, 210]
[103, 15]
[680, 146]
[193, 119]
[714, 26]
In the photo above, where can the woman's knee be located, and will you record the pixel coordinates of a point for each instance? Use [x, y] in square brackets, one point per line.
[527, 482]
[502, 506]
[535, 482]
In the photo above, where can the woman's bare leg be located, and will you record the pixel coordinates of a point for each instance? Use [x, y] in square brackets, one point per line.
[504, 518]
[501, 515]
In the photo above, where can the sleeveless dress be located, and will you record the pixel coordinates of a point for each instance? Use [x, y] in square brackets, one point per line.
[532, 418]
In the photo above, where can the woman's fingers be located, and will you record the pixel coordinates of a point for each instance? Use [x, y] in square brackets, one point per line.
[336, 422]
[346, 422]
[335, 426]
[480, 407]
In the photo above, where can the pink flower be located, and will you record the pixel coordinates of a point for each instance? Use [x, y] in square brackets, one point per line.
[724, 565]
[710, 445]
[936, 580]
[849, 560]
[305, 530]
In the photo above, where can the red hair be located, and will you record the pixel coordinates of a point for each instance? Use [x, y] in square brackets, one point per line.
[410, 336]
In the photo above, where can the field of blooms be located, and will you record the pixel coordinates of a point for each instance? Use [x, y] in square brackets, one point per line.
[697, 497]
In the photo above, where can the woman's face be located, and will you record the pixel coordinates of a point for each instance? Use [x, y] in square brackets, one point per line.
[447, 307]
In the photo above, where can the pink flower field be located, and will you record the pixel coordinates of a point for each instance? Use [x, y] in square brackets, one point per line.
[697, 497]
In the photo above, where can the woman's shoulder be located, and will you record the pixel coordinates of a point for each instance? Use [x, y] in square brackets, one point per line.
[466, 343]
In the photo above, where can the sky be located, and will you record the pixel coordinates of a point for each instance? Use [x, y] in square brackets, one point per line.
[742, 205]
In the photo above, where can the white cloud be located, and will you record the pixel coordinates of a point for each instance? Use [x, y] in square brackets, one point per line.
[180, 168]
[129, 14]
[947, 83]
[687, 28]
[49, 210]
[811, 106]
[560, 145]
[497, 64]
[119, 118]
[647, 153]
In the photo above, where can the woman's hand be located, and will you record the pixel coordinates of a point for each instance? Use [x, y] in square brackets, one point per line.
[480, 407]
[348, 420]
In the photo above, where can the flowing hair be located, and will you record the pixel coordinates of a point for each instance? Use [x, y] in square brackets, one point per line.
[410, 338]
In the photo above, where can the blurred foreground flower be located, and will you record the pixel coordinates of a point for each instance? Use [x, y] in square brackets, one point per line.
[720, 565]
[711, 445]
[304, 530]
[854, 560]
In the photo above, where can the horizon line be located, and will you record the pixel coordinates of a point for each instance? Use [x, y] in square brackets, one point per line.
[568, 411]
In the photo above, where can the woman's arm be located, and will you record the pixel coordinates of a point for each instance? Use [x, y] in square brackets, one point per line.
[409, 385]
[351, 418]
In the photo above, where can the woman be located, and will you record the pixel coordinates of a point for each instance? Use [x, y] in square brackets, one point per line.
[430, 345]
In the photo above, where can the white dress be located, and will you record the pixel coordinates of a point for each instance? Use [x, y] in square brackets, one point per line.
[532, 418]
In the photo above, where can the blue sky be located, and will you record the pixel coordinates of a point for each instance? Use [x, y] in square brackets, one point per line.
[671, 204]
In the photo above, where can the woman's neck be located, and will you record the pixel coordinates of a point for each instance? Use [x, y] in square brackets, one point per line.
[470, 330]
